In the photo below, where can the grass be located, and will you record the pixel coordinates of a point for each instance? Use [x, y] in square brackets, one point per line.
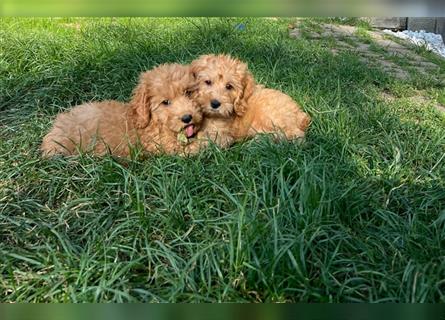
[356, 213]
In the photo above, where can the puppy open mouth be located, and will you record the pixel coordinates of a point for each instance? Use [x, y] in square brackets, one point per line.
[189, 131]
[186, 134]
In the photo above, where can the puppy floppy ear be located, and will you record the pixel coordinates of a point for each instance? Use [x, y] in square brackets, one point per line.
[201, 63]
[195, 67]
[240, 104]
[140, 102]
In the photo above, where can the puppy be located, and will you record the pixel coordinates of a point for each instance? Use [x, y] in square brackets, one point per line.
[161, 117]
[235, 107]
[164, 114]
[96, 127]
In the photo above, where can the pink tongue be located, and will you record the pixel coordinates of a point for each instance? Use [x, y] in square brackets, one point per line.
[189, 131]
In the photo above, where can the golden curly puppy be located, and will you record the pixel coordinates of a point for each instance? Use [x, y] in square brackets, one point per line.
[235, 107]
[161, 117]
[166, 117]
[97, 127]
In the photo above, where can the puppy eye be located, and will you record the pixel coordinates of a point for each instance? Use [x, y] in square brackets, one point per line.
[166, 102]
[188, 93]
[229, 86]
[208, 82]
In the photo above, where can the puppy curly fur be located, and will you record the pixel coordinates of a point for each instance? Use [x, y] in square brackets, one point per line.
[153, 118]
[246, 108]
[158, 123]
[97, 127]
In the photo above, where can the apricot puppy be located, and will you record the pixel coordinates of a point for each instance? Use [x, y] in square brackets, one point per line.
[160, 117]
[235, 107]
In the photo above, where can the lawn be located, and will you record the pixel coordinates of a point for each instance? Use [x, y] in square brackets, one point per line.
[356, 213]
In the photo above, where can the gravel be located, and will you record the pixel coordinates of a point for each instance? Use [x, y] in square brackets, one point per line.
[431, 41]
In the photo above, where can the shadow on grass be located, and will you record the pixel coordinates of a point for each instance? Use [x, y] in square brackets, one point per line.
[103, 62]
[313, 222]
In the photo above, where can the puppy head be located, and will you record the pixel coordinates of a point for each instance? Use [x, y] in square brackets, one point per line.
[163, 96]
[223, 85]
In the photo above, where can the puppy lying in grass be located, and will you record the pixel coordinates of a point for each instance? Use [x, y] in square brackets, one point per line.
[161, 118]
[236, 108]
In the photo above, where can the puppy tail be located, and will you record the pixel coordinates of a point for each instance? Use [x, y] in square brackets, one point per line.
[305, 121]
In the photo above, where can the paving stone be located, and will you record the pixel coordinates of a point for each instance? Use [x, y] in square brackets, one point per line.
[362, 47]
[340, 29]
[416, 58]
[389, 44]
[393, 69]
[313, 35]
[427, 64]
[376, 35]
[327, 34]
[419, 99]
[399, 73]
[344, 45]
[386, 96]
[372, 55]
[298, 33]
[422, 70]
[295, 33]
[341, 34]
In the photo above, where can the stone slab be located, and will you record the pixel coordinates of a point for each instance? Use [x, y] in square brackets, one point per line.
[393, 23]
[440, 27]
[417, 24]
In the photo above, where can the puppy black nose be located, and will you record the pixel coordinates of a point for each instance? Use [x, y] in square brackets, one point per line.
[187, 118]
[215, 104]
